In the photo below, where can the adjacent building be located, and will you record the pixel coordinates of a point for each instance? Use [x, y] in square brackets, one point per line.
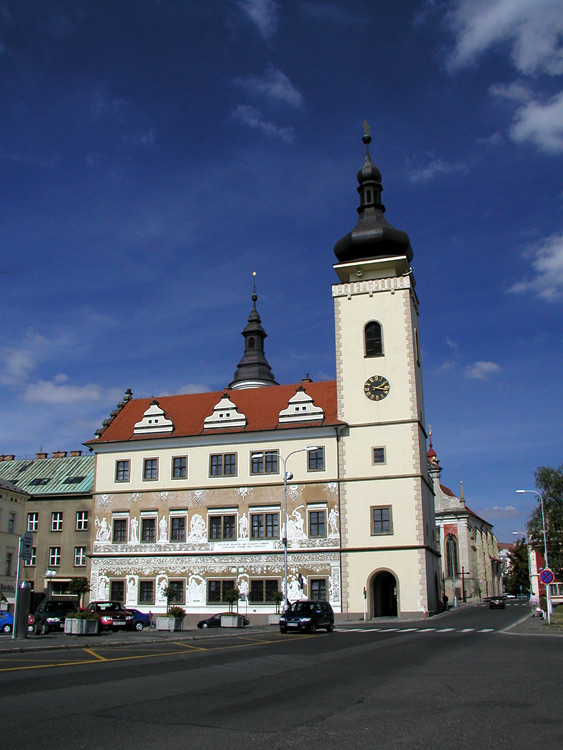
[12, 520]
[195, 495]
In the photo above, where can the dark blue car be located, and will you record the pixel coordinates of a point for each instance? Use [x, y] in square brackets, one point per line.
[141, 620]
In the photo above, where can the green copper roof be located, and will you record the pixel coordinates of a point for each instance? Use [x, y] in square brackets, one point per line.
[72, 475]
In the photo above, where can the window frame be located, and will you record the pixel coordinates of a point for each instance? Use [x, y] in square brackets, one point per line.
[54, 557]
[320, 583]
[82, 520]
[389, 520]
[32, 562]
[375, 342]
[223, 456]
[57, 521]
[264, 515]
[117, 583]
[123, 466]
[114, 536]
[179, 596]
[146, 586]
[145, 524]
[80, 558]
[266, 590]
[150, 470]
[378, 448]
[311, 524]
[33, 521]
[178, 518]
[313, 456]
[221, 517]
[173, 475]
[222, 589]
[265, 458]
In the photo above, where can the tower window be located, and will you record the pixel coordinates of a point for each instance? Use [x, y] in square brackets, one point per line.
[373, 339]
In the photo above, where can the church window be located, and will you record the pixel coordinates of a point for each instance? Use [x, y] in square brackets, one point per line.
[452, 562]
[373, 339]
[381, 520]
[251, 342]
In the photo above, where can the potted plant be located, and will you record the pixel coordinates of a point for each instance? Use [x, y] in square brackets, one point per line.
[172, 620]
[82, 623]
[278, 599]
[232, 619]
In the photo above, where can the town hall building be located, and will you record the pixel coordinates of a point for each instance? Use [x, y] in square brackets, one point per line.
[312, 489]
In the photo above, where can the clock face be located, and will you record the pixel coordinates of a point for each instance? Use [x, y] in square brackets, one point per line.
[376, 387]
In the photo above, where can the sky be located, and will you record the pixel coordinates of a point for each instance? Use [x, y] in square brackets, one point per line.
[154, 153]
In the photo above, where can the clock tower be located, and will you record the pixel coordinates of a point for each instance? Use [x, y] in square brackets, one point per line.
[390, 562]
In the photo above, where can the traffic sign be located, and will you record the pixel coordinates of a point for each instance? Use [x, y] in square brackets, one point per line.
[546, 576]
[27, 546]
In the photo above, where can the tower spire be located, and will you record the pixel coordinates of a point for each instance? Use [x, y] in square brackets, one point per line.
[253, 370]
[372, 237]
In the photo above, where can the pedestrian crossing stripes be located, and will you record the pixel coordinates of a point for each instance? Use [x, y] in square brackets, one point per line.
[414, 630]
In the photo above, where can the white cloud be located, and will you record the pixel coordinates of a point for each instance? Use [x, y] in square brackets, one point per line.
[263, 13]
[193, 388]
[499, 511]
[541, 124]
[433, 168]
[275, 86]
[252, 117]
[516, 91]
[547, 264]
[495, 139]
[57, 392]
[532, 28]
[16, 363]
[482, 370]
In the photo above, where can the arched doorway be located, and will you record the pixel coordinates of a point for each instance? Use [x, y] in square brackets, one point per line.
[384, 595]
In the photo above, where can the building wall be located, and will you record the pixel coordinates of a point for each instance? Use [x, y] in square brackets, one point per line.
[12, 515]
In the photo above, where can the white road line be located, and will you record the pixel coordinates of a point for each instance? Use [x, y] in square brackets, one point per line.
[426, 630]
[486, 630]
[408, 630]
[467, 630]
[445, 630]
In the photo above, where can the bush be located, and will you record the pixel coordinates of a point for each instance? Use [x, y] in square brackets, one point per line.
[176, 612]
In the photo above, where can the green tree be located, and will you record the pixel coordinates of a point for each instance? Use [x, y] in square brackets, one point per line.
[518, 573]
[549, 483]
[79, 587]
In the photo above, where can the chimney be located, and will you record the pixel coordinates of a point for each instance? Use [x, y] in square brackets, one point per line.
[74, 454]
[306, 379]
[8, 458]
[59, 454]
[41, 455]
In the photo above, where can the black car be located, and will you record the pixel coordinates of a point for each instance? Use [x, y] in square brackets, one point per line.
[496, 602]
[215, 620]
[307, 616]
[113, 615]
[51, 615]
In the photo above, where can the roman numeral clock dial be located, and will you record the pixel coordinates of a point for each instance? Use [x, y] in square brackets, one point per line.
[376, 387]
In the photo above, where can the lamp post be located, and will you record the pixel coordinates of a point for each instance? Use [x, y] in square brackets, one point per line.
[546, 561]
[49, 575]
[523, 533]
[287, 476]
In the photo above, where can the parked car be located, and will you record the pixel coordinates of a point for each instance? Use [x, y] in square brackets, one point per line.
[496, 602]
[113, 615]
[140, 619]
[6, 621]
[215, 620]
[51, 615]
[307, 616]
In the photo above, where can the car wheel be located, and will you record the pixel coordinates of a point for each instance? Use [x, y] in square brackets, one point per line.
[313, 627]
[139, 625]
[205, 625]
[7, 628]
[330, 627]
[283, 629]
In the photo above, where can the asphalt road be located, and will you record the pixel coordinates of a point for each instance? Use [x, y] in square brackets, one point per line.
[455, 680]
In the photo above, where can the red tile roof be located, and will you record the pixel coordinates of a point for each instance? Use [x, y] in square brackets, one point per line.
[261, 406]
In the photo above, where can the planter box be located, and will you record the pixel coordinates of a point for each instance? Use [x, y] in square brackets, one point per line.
[76, 626]
[273, 619]
[232, 621]
[169, 623]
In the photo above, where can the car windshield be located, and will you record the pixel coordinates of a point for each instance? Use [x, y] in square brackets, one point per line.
[59, 606]
[302, 607]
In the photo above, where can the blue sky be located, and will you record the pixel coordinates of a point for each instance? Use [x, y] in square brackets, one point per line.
[154, 154]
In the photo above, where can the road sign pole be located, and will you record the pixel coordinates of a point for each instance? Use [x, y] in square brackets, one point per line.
[17, 600]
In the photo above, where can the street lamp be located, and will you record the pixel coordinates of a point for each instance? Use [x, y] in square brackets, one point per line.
[49, 575]
[523, 533]
[287, 476]
[546, 561]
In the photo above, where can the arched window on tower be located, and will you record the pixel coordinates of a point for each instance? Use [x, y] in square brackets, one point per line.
[251, 342]
[373, 339]
[452, 562]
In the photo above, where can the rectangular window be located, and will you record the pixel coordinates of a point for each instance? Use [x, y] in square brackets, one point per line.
[216, 591]
[381, 520]
[11, 523]
[148, 529]
[264, 462]
[317, 523]
[117, 591]
[264, 526]
[57, 520]
[263, 591]
[120, 530]
[177, 528]
[82, 520]
[122, 471]
[79, 557]
[378, 455]
[150, 468]
[32, 521]
[9, 557]
[176, 592]
[223, 464]
[31, 563]
[318, 589]
[222, 527]
[316, 460]
[54, 557]
[179, 467]
[146, 592]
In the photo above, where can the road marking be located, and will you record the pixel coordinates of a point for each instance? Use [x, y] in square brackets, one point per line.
[467, 630]
[188, 645]
[445, 630]
[408, 630]
[94, 654]
[486, 630]
[426, 630]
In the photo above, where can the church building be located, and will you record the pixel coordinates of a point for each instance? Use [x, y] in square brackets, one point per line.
[313, 490]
